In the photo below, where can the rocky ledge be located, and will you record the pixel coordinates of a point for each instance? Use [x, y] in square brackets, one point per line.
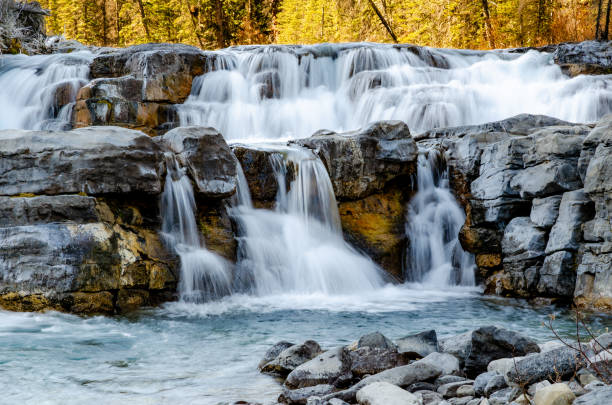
[536, 192]
[486, 366]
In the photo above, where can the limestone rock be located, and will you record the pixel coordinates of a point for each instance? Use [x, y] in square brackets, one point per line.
[555, 394]
[544, 211]
[382, 393]
[575, 208]
[204, 152]
[326, 368]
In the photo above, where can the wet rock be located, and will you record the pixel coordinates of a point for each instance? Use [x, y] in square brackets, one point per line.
[206, 155]
[588, 57]
[544, 211]
[375, 340]
[274, 351]
[82, 160]
[557, 363]
[361, 163]
[17, 211]
[259, 171]
[555, 394]
[595, 397]
[292, 357]
[382, 393]
[491, 343]
[326, 368]
[366, 360]
[300, 396]
[418, 345]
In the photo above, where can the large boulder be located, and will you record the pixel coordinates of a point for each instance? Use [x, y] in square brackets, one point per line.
[207, 157]
[551, 365]
[326, 368]
[361, 163]
[289, 359]
[374, 353]
[491, 343]
[95, 160]
[418, 345]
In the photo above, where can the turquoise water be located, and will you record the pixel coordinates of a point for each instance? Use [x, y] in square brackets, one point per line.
[208, 353]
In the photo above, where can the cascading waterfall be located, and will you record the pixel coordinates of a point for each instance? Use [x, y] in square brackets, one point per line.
[204, 275]
[298, 246]
[283, 92]
[38, 92]
[434, 219]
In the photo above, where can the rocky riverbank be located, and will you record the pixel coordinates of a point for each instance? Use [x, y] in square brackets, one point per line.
[486, 366]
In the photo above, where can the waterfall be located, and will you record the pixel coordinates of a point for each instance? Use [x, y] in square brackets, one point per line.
[434, 219]
[284, 92]
[297, 247]
[203, 274]
[38, 92]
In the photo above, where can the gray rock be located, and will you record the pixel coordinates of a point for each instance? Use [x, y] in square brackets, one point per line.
[491, 343]
[502, 397]
[503, 366]
[421, 386]
[274, 351]
[466, 391]
[17, 211]
[487, 383]
[300, 396]
[292, 357]
[602, 342]
[382, 393]
[375, 340]
[557, 363]
[555, 394]
[523, 240]
[326, 368]
[593, 386]
[544, 211]
[447, 379]
[599, 396]
[94, 160]
[429, 397]
[450, 390]
[460, 401]
[575, 208]
[457, 346]
[208, 159]
[360, 163]
[446, 362]
[418, 345]
[558, 275]
[546, 179]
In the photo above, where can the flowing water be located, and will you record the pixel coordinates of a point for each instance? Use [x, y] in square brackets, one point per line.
[291, 92]
[434, 219]
[38, 92]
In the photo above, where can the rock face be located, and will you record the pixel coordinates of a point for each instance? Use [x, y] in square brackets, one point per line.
[137, 87]
[589, 57]
[80, 220]
[536, 193]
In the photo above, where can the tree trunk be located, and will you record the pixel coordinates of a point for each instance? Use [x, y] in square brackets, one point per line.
[605, 33]
[196, 29]
[383, 21]
[144, 20]
[220, 21]
[104, 24]
[485, 8]
[597, 22]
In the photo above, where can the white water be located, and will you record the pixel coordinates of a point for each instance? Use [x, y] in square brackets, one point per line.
[28, 87]
[291, 92]
[204, 275]
[298, 248]
[434, 219]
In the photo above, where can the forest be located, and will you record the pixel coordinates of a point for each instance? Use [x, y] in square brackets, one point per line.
[478, 24]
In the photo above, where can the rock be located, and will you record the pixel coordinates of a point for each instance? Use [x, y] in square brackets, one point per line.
[83, 160]
[18, 211]
[487, 383]
[546, 179]
[557, 363]
[418, 345]
[460, 401]
[429, 397]
[537, 387]
[544, 211]
[446, 363]
[502, 397]
[555, 394]
[491, 343]
[466, 391]
[447, 379]
[457, 345]
[300, 396]
[523, 240]
[372, 360]
[382, 393]
[361, 163]
[586, 377]
[326, 368]
[274, 351]
[558, 275]
[550, 345]
[376, 340]
[595, 385]
[503, 366]
[588, 57]
[292, 357]
[421, 386]
[574, 209]
[576, 388]
[450, 390]
[259, 171]
[602, 342]
[205, 154]
[599, 396]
